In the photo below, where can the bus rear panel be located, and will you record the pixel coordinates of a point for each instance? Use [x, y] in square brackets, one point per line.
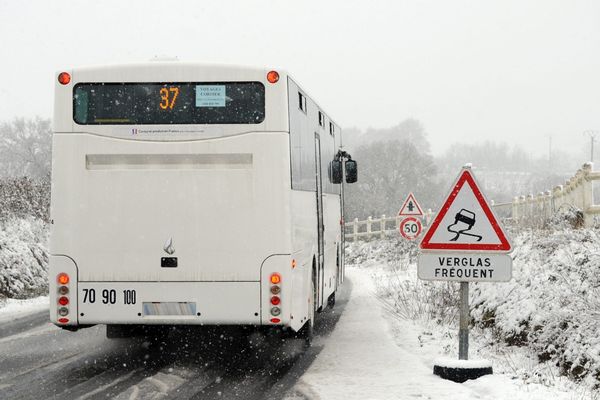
[172, 201]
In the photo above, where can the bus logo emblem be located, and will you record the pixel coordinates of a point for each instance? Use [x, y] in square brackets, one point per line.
[168, 247]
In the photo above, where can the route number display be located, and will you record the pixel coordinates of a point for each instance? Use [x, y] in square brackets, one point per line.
[410, 228]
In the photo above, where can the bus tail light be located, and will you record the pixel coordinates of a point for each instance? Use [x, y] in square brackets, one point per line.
[275, 289]
[64, 78]
[63, 300]
[63, 278]
[273, 76]
[275, 278]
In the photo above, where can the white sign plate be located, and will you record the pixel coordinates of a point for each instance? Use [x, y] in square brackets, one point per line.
[465, 267]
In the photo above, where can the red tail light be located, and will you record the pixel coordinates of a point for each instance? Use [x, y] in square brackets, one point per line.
[63, 320]
[63, 301]
[64, 78]
[273, 76]
[275, 300]
[275, 320]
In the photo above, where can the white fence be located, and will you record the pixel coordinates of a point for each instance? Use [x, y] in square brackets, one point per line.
[577, 192]
[377, 227]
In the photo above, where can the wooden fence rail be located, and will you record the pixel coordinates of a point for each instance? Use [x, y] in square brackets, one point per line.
[377, 227]
[577, 192]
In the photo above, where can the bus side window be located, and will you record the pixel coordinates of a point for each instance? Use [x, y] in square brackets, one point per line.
[321, 119]
[331, 128]
[302, 102]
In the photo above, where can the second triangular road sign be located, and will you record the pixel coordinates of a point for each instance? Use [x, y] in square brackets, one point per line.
[410, 207]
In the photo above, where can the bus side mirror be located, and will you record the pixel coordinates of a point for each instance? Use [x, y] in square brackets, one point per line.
[335, 171]
[351, 171]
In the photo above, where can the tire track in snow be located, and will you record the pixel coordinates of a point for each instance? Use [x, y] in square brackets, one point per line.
[24, 323]
[192, 362]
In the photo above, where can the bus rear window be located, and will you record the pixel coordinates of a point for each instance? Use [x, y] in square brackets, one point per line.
[169, 103]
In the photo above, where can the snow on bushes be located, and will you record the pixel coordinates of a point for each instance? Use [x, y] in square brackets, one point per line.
[24, 197]
[24, 214]
[551, 306]
[23, 258]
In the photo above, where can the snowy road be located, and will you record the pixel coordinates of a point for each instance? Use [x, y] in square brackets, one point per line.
[360, 352]
[39, 361]
[372, 355]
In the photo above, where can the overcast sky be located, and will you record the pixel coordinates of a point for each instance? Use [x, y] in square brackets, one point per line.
[515, 71]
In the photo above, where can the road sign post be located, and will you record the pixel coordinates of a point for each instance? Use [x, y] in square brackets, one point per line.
[463, 332]
[465, 243]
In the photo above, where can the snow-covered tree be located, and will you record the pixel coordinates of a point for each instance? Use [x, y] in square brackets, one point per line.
[392, 162]
[25, 148]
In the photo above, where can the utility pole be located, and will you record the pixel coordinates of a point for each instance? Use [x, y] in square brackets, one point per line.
[592, 135]
[549, 152]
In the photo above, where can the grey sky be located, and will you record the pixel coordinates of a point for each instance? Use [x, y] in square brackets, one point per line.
[515, 71]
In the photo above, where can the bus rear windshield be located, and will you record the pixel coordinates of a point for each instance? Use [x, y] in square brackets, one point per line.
[169, 103]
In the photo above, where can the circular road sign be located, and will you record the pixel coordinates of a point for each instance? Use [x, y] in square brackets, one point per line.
[410, 228]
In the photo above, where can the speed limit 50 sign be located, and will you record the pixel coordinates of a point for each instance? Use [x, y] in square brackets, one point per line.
[410, 228]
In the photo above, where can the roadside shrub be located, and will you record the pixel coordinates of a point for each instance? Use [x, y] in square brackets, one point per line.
[24, 197]
[552, 305]
[23, 258]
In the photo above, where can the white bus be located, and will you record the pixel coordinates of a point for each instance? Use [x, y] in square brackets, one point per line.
[187, 194]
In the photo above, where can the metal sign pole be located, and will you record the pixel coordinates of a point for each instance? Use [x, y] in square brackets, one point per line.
[465, 243]
[463, 332]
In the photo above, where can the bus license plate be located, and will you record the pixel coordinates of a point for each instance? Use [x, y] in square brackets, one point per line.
[169, 308]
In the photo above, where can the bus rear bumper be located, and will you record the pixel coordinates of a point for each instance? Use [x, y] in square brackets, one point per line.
[169, 303]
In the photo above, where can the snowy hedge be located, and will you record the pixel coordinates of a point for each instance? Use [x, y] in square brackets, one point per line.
[24, 214]
[552, 304]
[23, 258]
[24, 197]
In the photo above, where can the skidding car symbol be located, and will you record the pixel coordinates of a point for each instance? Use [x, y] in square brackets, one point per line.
[463, 217]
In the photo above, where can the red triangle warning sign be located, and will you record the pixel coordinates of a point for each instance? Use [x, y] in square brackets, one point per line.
[466, 222]
[410, 207]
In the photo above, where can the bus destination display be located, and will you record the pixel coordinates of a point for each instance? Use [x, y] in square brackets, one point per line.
[169, 103]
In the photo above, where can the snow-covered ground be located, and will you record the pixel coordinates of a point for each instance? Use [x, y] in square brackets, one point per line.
[11, 309]
[373, 355]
